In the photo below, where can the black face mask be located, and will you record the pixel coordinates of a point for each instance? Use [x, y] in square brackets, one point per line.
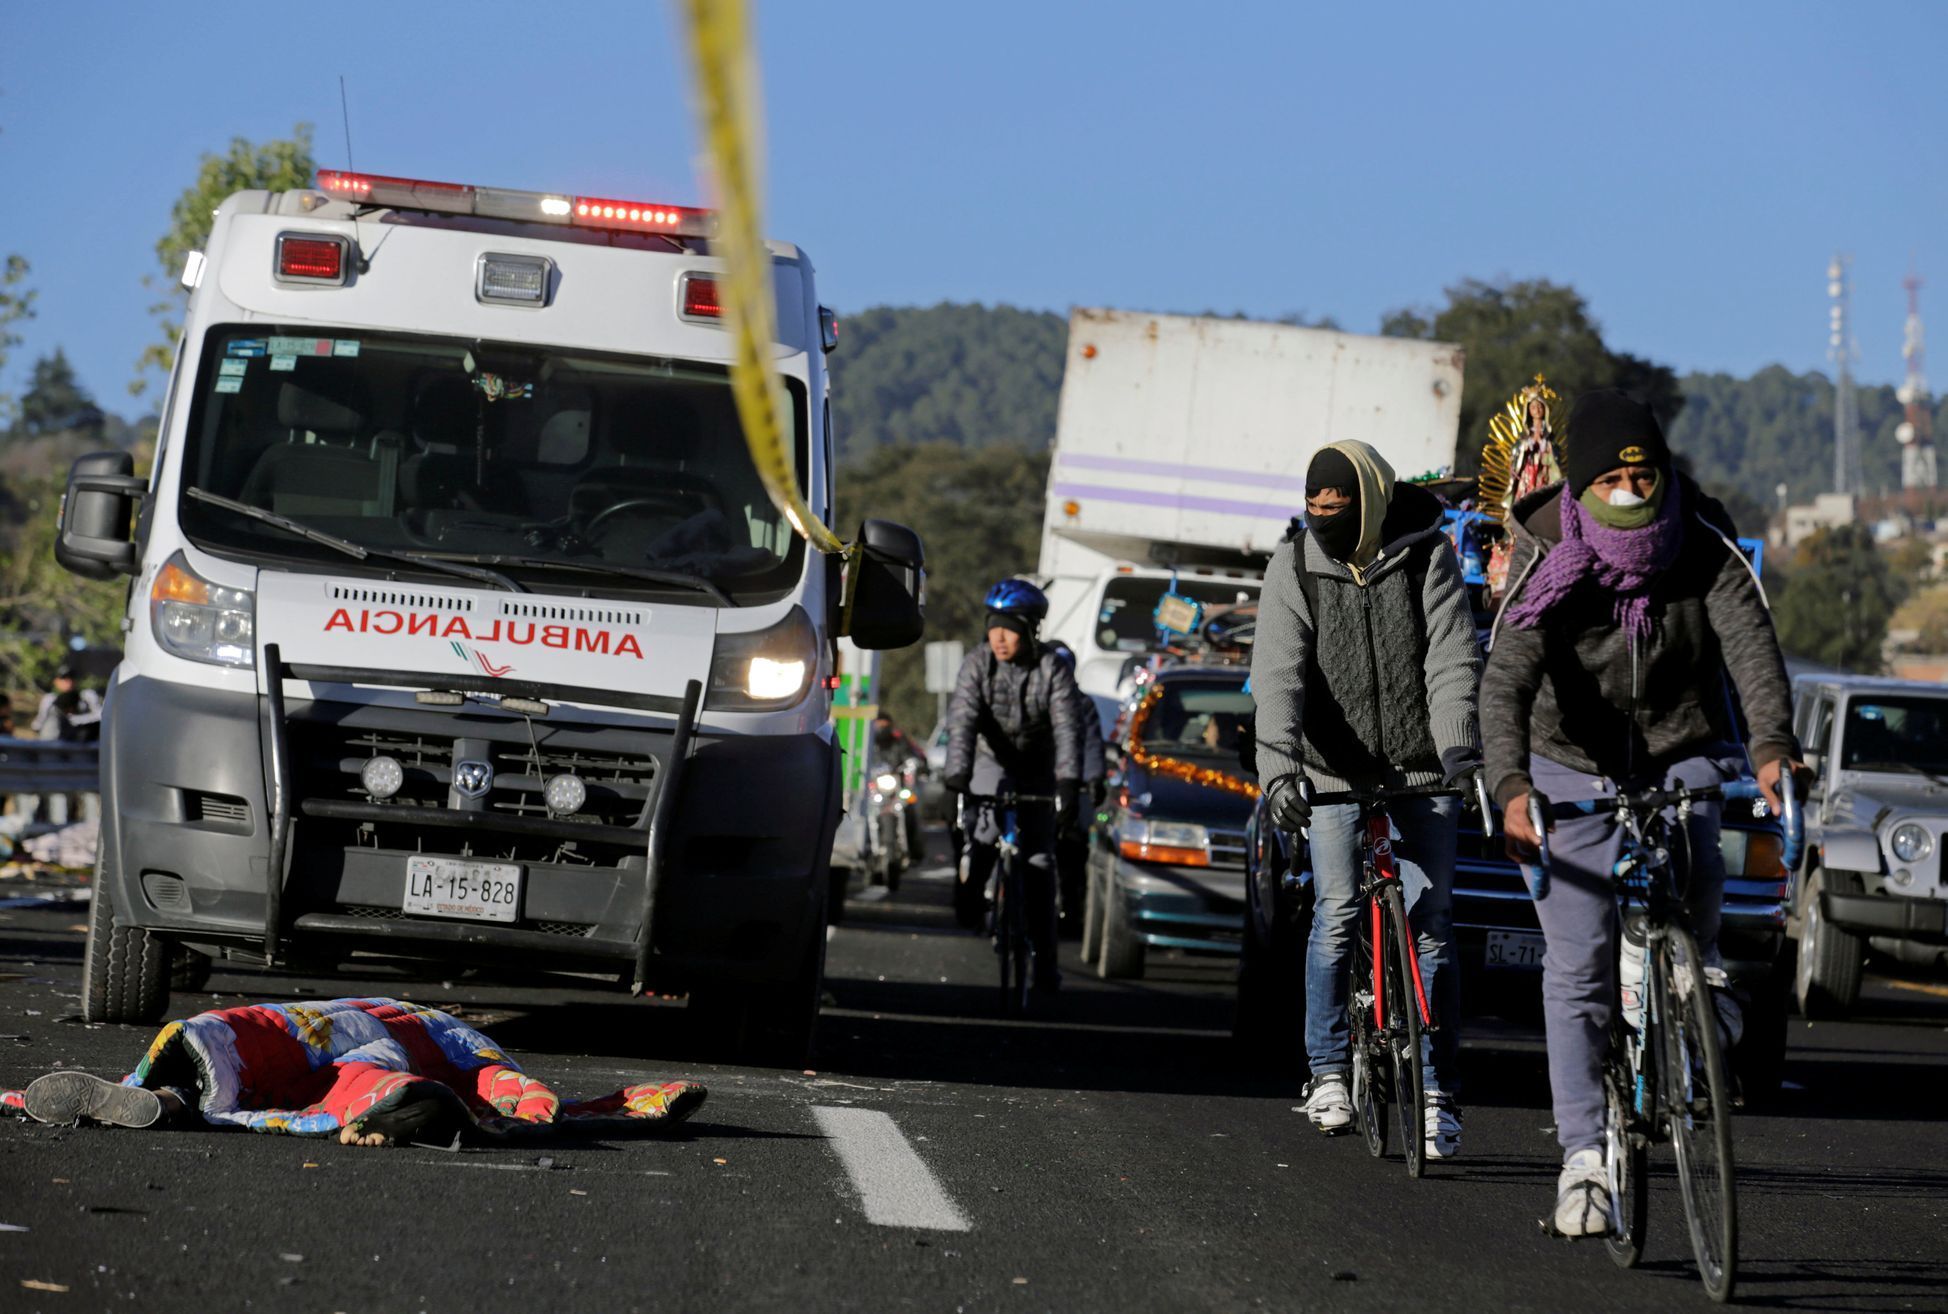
[1338, 533]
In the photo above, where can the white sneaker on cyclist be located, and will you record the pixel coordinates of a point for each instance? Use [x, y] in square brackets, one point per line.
[1443, 1126]
[1583, 1196]
[1329, 1103]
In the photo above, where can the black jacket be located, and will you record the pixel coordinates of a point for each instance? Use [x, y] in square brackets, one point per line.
[1023, 714]
[1578, 692]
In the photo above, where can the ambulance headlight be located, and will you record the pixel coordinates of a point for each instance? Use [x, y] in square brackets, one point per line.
[382, 776]
[565, 794]
[200, 621]
[766, 669]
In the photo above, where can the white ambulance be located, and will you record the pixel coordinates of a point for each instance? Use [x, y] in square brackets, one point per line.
[462, 630]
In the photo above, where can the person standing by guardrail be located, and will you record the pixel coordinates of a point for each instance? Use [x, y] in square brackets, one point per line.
[68, 714]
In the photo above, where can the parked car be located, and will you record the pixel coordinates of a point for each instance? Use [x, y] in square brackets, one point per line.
[1167, 850]
[1498, 941]
[1876, 823]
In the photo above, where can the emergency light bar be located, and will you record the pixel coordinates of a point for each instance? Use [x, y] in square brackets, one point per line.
[504, 203]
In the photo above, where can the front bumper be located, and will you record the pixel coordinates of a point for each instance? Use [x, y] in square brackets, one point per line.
[1197, 908]
[191, 784]
[1893, 916]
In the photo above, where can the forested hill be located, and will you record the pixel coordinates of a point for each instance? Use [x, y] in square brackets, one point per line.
[977, 376]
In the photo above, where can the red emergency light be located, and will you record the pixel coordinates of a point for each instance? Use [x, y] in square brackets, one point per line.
[310, 258]
[700, 299]
[504, 203]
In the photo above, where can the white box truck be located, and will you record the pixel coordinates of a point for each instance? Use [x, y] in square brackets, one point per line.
[462, 630]
[1181, 448]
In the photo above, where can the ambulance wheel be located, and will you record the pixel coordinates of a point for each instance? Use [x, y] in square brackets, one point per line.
[125, 969]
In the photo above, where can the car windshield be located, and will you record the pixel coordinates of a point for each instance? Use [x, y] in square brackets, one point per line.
[557, 466]
[1896, 734]
[1197, 718]
[1124, 622]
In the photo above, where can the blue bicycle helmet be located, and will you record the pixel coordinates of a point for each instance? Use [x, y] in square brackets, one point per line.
[1063, 653]
[1017, 597]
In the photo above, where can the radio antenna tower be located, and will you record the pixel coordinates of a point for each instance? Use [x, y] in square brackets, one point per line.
[1915, 433]
[1841, 350]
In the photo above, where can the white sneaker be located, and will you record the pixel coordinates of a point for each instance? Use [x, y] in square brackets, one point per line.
[1443, 1126]
[1329, 1103]
[1583, 1196]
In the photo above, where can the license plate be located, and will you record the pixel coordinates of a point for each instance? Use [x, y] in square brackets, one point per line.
[454, 887]
[1521, 949]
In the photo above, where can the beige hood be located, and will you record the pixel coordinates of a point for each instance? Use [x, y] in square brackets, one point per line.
[1376, 493]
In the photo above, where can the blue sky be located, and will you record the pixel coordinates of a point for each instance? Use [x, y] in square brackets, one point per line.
[1689, 167]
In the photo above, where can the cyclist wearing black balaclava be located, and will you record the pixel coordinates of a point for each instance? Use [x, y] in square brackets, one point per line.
[1365, 670]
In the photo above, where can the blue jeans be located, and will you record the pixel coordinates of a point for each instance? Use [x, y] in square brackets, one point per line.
[1424, 854]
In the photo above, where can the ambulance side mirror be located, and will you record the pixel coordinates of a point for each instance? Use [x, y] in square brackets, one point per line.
[97, 512]
[886, 588]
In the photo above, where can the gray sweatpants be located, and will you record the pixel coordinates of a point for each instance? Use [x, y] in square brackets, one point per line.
[1579, 923]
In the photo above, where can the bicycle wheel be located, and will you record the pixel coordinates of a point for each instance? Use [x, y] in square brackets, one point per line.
[1697, 1108]
[1369, 1086]
[1626, 1152]
[1403, 1031]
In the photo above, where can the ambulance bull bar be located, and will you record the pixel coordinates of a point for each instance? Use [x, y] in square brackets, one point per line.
[654, 834]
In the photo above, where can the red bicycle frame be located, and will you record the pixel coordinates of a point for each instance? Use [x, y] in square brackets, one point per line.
[1379, 846]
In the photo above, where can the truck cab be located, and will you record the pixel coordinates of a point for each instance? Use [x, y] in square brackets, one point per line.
[462, 629]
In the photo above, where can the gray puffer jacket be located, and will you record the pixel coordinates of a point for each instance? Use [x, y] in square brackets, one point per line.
[1020, 716]
[1578, 692]
[1379, 687]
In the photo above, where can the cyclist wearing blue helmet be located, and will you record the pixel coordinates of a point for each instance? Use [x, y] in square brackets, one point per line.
[1072, 844]
[1013, 726]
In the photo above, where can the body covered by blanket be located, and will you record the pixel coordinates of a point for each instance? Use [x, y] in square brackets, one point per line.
[316, 1069]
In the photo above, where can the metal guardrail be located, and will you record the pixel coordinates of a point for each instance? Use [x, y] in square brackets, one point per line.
[49, 766]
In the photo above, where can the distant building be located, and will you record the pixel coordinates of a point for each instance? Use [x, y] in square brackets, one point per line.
[1827, 511]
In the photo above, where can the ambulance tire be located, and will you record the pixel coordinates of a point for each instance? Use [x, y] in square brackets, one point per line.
[125, 969]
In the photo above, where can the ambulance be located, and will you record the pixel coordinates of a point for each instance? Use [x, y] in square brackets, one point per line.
[462, 630]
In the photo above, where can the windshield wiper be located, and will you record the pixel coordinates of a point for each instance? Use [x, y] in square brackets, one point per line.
[357, 551]
[648, 574]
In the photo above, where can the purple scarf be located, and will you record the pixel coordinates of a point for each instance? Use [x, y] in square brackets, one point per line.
[1624, 562]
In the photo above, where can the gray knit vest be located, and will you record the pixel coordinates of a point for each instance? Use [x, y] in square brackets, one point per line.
[1366, 717]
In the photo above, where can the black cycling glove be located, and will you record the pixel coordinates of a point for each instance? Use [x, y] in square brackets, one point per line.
[1289, 799]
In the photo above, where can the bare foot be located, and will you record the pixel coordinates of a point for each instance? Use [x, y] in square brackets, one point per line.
[354, 1135]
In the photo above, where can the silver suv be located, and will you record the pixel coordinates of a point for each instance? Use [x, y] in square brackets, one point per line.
[1876, 824]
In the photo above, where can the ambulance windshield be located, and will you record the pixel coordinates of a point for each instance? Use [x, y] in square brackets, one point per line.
[447, 447]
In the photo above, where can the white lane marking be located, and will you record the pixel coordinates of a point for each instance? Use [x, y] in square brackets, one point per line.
[896, 1188]
[935, 874]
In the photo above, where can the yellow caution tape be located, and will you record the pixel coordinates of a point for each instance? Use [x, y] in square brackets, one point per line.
[727, 88]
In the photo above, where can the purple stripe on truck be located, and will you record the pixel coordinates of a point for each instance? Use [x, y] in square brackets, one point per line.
[1171, 470]
[1223, 506]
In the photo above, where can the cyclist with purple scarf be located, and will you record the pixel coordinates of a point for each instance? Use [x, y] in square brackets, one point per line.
[1631, 617]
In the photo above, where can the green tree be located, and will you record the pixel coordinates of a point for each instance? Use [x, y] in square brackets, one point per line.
[42, 606]
[276, 166]
[1515, 330]
[16, 304]
[1837, 601]
[55, 401]
[1926, 613]
[979, 512]
[971, 375]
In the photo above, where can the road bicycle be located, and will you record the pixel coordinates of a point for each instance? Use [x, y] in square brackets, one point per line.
[1014, 948]
[1387, 1006]
[1664, 1073]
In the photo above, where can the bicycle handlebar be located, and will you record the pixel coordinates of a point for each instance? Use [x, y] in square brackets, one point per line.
[1656, 799]
[1386, 795]
[1009, 800]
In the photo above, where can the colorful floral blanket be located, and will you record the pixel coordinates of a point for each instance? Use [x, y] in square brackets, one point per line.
[313, 1069]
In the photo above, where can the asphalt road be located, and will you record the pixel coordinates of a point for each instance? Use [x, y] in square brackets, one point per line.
[1111, 1155]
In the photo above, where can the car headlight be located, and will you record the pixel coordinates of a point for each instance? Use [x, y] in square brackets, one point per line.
[1179, 843]
[766, 669]
[887, 783]
[203, 622]
[1911, 843]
